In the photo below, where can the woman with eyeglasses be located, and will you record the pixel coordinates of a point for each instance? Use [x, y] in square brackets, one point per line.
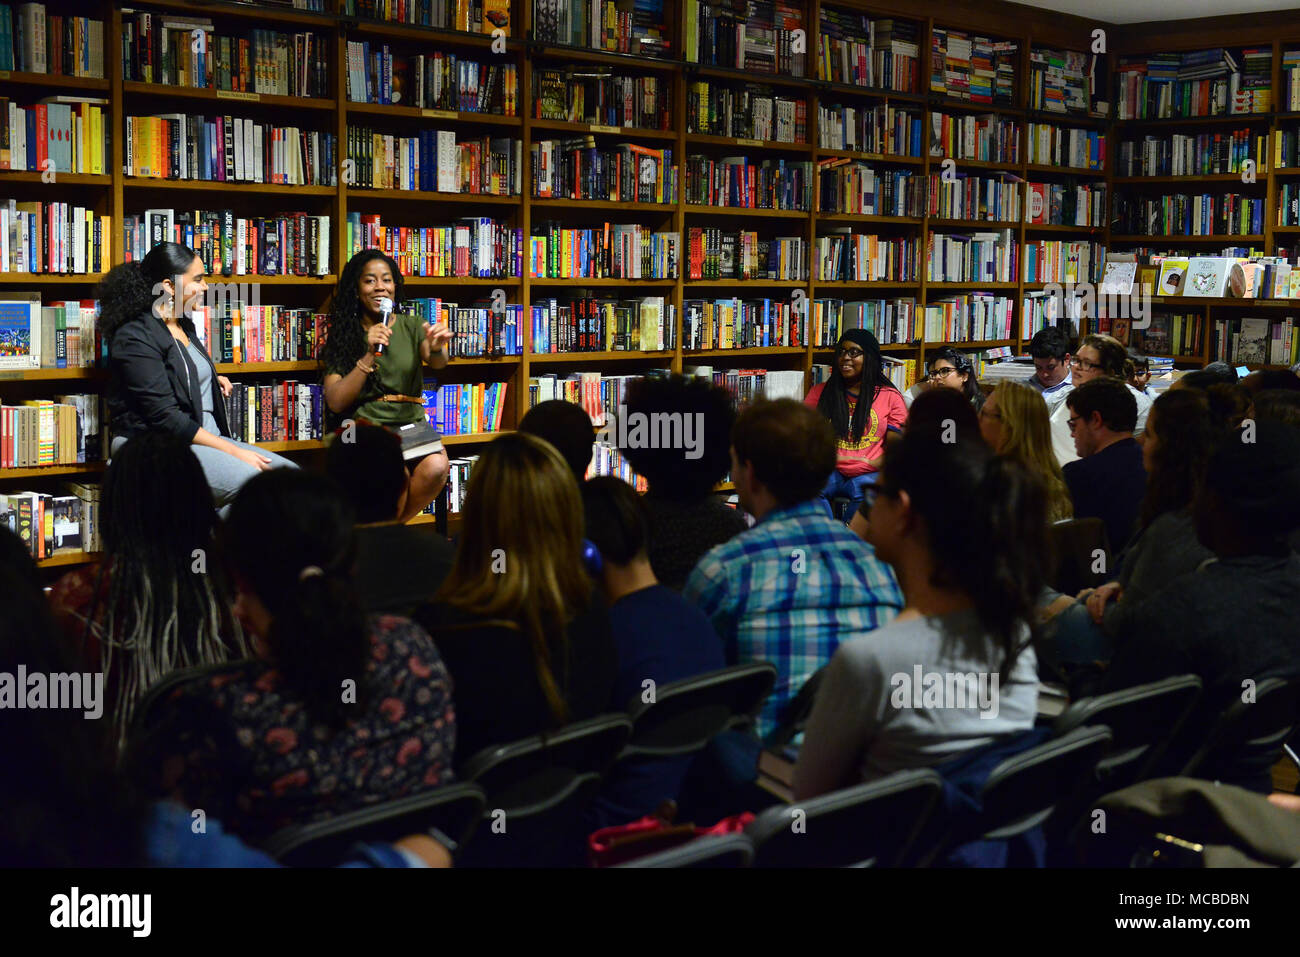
[860, 426]
[950, 369]
[1098, 356]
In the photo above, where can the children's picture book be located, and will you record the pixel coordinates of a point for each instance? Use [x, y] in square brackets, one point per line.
[1172, 273]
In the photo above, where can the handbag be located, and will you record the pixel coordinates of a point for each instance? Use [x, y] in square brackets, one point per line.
[652, 834]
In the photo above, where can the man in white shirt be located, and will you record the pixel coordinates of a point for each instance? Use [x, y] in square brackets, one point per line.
[1097, 356]
[1052, 375]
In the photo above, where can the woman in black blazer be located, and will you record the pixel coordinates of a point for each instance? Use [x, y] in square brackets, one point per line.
[161, 377]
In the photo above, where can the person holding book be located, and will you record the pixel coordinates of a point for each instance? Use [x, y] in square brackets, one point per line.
[373, 359]
[861, 404]
[161, 377]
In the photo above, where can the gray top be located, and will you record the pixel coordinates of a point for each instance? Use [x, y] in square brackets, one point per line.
[910, 695]
[1165, 549]
[205, 386]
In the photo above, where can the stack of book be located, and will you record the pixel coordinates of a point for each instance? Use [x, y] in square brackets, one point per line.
[32, 41]
[614, 251]
[740, 254]
[437, 81]
[887, 130]
[67, 135]
[467, 16]
[228, 149]
[474, 246]
[52, 525]
[466, 409]
[593, 324]
[974, 68]
[1062, 81]
[295, 244]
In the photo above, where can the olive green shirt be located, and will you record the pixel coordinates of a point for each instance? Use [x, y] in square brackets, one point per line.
[398, 372]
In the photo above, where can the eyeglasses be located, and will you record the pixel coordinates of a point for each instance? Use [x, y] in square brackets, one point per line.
[942, 373]
[851, 353]
[1072, 420]
[1084, 364]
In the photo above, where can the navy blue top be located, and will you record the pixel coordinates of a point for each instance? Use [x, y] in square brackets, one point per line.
[1110, 485]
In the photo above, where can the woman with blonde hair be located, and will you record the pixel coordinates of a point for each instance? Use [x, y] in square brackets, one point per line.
[1015, 423]
[518, 621]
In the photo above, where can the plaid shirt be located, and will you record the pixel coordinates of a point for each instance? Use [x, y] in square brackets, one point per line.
[788, 591]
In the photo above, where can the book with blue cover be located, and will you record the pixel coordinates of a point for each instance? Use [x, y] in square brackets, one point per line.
[20, 331]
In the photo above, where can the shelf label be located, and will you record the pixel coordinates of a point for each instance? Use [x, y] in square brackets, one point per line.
[439, 114]
[605, 129]
[749, 142]
[4, 74]
[238, 95]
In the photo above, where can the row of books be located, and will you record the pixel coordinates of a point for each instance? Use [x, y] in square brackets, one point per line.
[975, 257]
[608, 460]
[856, 50]
[1192, 154]
[735, 323]
[53, 238]
[575, 96]
[759, 37]
[627, 173]
[33, 41]
[735, 181]
[1183, 214]
[589, 324]
[60, 334]
[611, 251]
[440, 81]
[472, 246]
[484, 329]
[1286, 149]
[747, 385]
[745, 112]
[639, 28]
[432, 161]
[1196, 83]
[65, 430]
[851, 186]
[882, 129]
[1062, 261]
[995, 197]
[901, 372]
[845, 256]
[228, 149]
[1288, 204]
[234, 330]
[1216, 277]
[987, 137]
[294, 243]
[1170, 334]
[713, 253]
[1255, 341]
[467, 409]
[51, 524]
[973, 317]
[1062, 81]
[971, 67]
[1049, 145]
[163, 48]
[60, 134]
[1066, 204]
[282, 411]
[468, 16]
[1290, 80]
[457, 481]
[597, 394]
[891, 321]
[1039, 310]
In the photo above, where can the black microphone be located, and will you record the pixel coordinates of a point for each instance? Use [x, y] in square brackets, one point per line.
[385, 311]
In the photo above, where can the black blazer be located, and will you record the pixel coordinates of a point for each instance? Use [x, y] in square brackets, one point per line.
[153, 383]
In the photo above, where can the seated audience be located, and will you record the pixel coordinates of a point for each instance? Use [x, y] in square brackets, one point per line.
[1053, 376]
[527, 642]
[399, 566]
[1098, 356]
[159, 600]
[794, 586]
[859, 426]
[1229, 404]
[337, 711]
[686, 517]
[1137, 373]
[1108, 480]
[567, 426]
[1234, 618]
[951, 369]
[1014, 423]
[1278, 405]
[965, 531]
[1264, 379]
[658, 635]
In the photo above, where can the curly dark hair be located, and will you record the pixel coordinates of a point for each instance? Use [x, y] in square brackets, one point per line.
[127, 290]
[345, 340]
[669, 473]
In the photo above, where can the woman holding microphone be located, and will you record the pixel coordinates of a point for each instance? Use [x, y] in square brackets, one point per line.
[374, 359]
[161, 377]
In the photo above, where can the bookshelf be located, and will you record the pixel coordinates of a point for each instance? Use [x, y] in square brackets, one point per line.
[878, 120]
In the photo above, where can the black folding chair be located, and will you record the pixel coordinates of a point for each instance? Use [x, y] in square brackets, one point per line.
[454, 810]
[537, 789]
[686, 715]
[143, 715]
[727, 850]
[1248, 738]
[1074, 545]
[865, 825]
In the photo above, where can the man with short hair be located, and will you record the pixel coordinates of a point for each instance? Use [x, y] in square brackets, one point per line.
[798, 583]
[1050, 351]
[1097, 356]
[1109, 480]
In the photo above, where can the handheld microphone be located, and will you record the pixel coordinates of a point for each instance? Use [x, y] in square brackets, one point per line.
[385, 312]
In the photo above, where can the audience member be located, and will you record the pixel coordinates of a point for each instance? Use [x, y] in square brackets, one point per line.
[951, 369]
[1014, 423]
[790, 589]
[686, 517]
[1278, 405]
[659, 638]
[965, 530]
[337, 711]
[159, 600]
[527, 642]
[1098, 356]
[1262, 379]
[567, 426]
[1052, 377]
[1137, 373]
[399, 566]
[859, 427]
[1108, 480]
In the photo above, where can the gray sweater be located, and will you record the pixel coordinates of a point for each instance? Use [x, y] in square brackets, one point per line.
[1164, 550]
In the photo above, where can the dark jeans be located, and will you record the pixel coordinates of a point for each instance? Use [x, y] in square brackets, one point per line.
[842, 486]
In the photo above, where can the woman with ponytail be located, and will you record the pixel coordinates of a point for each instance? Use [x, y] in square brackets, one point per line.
[966, 533]
[160, 376]
[525, 638]
[337, 710]
[860, 426]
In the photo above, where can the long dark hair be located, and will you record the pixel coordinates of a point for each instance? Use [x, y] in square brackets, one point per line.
[964, 366]
[834, 401]
[345, 339]
[991, 516]
[290, 539]
[1186, 437]
[127, 290]
[63, 804]
[167, 606]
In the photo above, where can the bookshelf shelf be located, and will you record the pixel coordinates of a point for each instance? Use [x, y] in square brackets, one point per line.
[243, 368]
[973, 284]
[977, 164]
[362, 27]
[459, 281]
[753, 351]
[863, 284]
[248, 12]
[870, 157]
[578, 357]
[833, 89]
[482, 360]
[50, 471]
[50, 278]
[1196, 120]
[64, 179]
[612, 206]
[940, 103]
[691, 208]
[473, 438]
[977, 344]
[360, 193]
[868, 218]
[293, 445]
[1064, 171]
[552, 51]
[742, 283]
[1287, 171]
[1188, 180]
[766, 79]
[731, 142]
[63, 559]
[227, 99]
[586, 281]
[1167, 240]
[637, 132]
[54, 80]
[973, 223]
[424, 113]
[1080, 119]
[51, 375]
[1056, 228]
[216, 186]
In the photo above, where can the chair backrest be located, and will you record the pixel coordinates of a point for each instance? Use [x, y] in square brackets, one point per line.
[143, 715]
[1140, 719]
[794, 717]
[725, 850]
[1249, 735]
[1023, 791]
[864, 825]
[1074, 547]
[455, 810]
[687, 714]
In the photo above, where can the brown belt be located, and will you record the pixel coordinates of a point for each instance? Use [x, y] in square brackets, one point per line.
[418, 400]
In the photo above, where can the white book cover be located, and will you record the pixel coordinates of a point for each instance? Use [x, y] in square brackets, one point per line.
[448, 172]
[1207, 276]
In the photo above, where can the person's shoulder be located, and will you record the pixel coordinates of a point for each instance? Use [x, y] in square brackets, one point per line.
[814, 394]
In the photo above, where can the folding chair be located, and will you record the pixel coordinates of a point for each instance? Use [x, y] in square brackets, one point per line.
[727, 850]
[1248, 738]
[686, 715]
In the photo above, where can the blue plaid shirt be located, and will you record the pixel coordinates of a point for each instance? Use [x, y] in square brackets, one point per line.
[788, 591]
